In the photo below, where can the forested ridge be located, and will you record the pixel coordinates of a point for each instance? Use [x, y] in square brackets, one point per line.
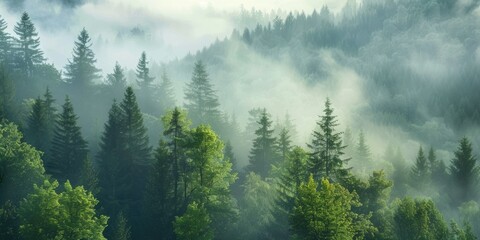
[391, 154]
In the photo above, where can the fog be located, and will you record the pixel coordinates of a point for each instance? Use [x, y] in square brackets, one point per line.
[405, 73]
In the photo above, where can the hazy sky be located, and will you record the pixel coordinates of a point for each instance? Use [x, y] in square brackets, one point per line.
[173, 28]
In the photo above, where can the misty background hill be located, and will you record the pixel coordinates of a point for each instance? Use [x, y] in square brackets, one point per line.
[402, 76]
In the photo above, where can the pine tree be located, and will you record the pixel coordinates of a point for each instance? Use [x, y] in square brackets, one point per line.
[69, 149]
[143, 72]
[348, 142]
[327, 148]
[117, 80]
[201, 100]
[464, 173]
[263, 153]
[81, 70]
[28, 44]
[5, 42]
[420, 172]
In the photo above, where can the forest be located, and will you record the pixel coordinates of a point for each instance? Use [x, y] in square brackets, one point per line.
[356, 123]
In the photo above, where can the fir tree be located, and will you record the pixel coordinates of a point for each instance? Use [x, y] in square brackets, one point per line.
[50, 118]
[464, 172]
[263, 153]
[363, 151]
[327, 148]
[28, 42]
[437, 168]
[229, 154]
[89, 177]
[167, 93]
[137, 155]
[5, 42]
[201, 100]
[420, 172]
[117, 80]
[7, 94]
[143, 72]
[114, 171]
[176, 129]
[69, 149]
[284, 144]
[37, 126]
[160, 206]
[121, 228]
[80, 70]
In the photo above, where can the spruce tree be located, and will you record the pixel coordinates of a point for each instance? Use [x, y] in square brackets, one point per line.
[69, 149]
[37, 126]
[117, 80]
[50, 117]
[28, 45]
[167, 93]
[464, 173]
[5, 42]
[7, 95]
[160, 207]
[201, 100]
[363, 151]
[137, 155]
[327, 148]
[284, 144]
[263, 152]
[143, 72]
[230, 155]
[121, 229]
[80, 70]
[437, 169]
[114, 171]
[176, 129]
[420, 172]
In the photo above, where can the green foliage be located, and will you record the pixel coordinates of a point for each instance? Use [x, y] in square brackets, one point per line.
[284, 143]
[80, 70]
[464, 173]
[327, 213]
[46, 214]
[194, 224]
[257, 206]
[263, 153]
[201, 100]
[327, 148]
[7, 94]
[8, 221]
[419, 219]
[69, 149]
[20, 165]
